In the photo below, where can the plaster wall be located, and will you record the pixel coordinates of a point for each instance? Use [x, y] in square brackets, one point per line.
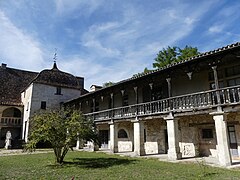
[42, 92]
[183, 85]
[26, 100]
[36, 93]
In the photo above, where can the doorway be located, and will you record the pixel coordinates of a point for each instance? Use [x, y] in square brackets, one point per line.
[232, 140]
[104, 138]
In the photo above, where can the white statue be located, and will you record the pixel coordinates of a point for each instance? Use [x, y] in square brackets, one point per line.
[8, 140]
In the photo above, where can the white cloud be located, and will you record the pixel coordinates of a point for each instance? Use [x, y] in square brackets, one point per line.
[215, 29]
[17, 48]
[87, 7]
[132, 42]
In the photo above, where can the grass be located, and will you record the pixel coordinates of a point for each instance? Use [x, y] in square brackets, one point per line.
[91, 165]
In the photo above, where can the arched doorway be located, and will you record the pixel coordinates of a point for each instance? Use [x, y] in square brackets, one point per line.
[12, 112]
[11, 120]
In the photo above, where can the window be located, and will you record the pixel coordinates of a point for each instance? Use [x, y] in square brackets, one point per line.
[58, 91]
[207, 133]
[145, 135]
[122, 134]
[233, 82]
[232, 71]
[43, 104]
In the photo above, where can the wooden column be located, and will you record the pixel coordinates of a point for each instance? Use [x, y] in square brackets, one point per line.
[151, 89]
[169, 87]
[214, 68]
[136, 98]
[169, 93]
[112, 104]
[136, 94]
[80, 106]
[94, 104]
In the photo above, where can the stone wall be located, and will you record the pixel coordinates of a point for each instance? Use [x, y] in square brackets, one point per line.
[126, 144]
[191, 141]
[155, 136]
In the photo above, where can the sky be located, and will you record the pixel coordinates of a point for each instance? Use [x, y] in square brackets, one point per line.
[110, 40]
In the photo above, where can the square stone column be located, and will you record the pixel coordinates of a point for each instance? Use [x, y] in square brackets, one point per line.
[173, 141]
[223, 150]
[138, 128]
[113, 137]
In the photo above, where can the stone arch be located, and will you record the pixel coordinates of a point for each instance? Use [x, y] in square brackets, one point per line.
[122, 133]
[12, 112]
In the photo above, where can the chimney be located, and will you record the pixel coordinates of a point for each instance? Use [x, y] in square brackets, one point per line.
[4, 66]
[95, 88]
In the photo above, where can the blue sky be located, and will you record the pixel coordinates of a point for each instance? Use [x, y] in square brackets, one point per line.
[110, 40]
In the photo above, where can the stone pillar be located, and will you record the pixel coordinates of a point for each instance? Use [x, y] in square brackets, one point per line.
[138, 128]
[113, 137]
[173, 141]
[223, 150]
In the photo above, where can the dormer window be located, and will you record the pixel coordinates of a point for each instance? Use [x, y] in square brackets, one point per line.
[58, 91]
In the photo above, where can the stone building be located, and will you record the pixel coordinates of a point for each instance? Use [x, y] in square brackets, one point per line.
[23, 93]
[186, 109]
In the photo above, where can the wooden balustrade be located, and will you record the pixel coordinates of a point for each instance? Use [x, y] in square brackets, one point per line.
[188, 102]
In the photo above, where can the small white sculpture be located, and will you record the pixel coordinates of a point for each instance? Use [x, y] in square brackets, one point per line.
[8, 140]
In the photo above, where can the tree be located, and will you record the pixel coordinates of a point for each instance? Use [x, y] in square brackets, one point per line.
[174, 54]
[145, 71]
[165, 57]
[61, 129]
[107, 84]
[187, 52]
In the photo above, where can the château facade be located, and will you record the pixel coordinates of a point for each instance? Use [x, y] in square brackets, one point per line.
[24, 93]
[186, 109]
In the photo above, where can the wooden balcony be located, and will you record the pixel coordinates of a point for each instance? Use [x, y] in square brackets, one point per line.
[10, 121]
[190, 102]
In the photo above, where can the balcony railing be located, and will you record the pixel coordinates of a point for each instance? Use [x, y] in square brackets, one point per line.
[11, 121]
[189, 102]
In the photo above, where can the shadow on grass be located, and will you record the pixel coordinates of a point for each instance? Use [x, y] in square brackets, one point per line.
[95, 162]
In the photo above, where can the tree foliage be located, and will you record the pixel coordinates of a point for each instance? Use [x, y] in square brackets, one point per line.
[61, 129]
[107, 84]
[174, 54]
[145, 71]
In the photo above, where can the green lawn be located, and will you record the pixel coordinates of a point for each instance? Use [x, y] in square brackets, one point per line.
[87, 165]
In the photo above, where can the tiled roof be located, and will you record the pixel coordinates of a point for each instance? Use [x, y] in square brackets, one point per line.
[202, 55]
[12, 82]
[56, 77]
